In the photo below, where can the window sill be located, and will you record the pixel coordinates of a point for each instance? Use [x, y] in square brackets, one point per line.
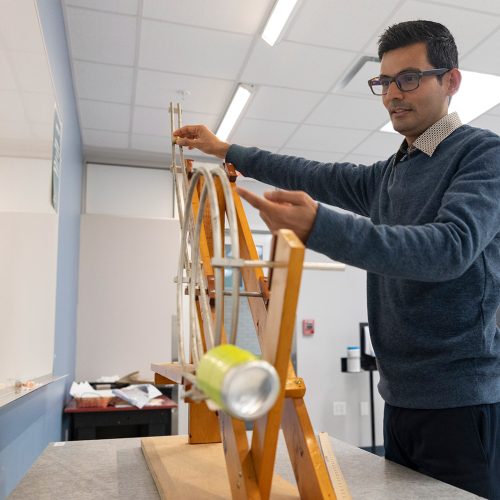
[13, 392]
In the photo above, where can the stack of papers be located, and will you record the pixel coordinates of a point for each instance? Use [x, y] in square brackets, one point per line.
[81, 390]
[138, 395]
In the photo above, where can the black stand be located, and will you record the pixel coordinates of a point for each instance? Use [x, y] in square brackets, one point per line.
[372, 412]
[343, 368]
[368, 364]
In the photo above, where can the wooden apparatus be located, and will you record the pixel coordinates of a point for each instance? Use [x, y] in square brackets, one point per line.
[248, 466]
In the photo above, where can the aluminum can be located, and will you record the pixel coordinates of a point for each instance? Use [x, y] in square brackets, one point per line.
[237, 381]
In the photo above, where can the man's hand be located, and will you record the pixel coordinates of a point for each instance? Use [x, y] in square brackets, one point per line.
[200, 137]
[293, 210]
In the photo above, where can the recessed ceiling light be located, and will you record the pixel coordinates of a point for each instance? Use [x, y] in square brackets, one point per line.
[280, 14]
[234, 110]
[478, 93]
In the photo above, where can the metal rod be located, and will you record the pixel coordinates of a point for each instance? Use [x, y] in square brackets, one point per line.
[310, 266]
[244, 293]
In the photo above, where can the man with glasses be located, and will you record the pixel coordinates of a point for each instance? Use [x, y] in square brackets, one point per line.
[430, 241]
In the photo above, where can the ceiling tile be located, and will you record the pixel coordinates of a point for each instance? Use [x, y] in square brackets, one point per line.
[287, 105]
[480, 58]
[32, 73]
[183, 49]
[150, 121]
[7, 80]
[152, 143]
[358, 85]
[240, 17]
[492, 6]
[491, 122]
[495, 111]
[314, 138]
[116, 6]
[380, 145]
[43, 131]
[103, 138]
[349, 112]
[321, 156]
[192, 118]
[11, 105]
[14, 129]
[263, 134]
[330, 23]
[101, 36]
[39, 107]
[205, 95]
[104, 115]
[20, 28]
[103, 82]
[293, 65]
[467, 34]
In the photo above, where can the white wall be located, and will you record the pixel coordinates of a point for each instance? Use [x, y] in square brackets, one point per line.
[25, 185]
[336, 301]
[126, 294]
[28, 257]
[129, 191]
[127, 264]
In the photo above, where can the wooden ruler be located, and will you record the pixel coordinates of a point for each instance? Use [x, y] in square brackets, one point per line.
[338, 482]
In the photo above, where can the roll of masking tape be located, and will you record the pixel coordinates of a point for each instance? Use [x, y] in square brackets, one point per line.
[237, 381]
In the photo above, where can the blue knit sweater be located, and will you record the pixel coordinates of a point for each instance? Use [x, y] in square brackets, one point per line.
[430, 241]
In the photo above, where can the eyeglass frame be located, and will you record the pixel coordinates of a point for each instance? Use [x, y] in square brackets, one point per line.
[429, 72]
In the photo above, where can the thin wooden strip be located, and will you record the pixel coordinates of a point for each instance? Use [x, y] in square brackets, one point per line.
[333, 467]
[172, 371]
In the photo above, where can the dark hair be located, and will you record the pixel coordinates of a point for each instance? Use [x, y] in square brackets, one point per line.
[441, 48]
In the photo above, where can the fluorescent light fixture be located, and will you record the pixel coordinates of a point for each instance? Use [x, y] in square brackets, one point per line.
[280, 14]
[478, 93]
[233, 112]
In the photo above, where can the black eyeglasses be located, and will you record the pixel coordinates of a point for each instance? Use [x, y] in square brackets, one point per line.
[406, 80]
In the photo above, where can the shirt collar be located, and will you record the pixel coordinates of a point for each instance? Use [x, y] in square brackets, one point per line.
[434, 135]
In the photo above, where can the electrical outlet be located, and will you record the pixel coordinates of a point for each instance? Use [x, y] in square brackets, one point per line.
[364, 409]
[339, 408]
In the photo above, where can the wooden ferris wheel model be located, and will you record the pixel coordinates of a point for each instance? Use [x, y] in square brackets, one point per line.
[206, 199]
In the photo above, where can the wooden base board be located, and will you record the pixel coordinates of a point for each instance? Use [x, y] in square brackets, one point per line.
[181, 470]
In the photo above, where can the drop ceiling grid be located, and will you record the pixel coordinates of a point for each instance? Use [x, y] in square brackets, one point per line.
[313, 99]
